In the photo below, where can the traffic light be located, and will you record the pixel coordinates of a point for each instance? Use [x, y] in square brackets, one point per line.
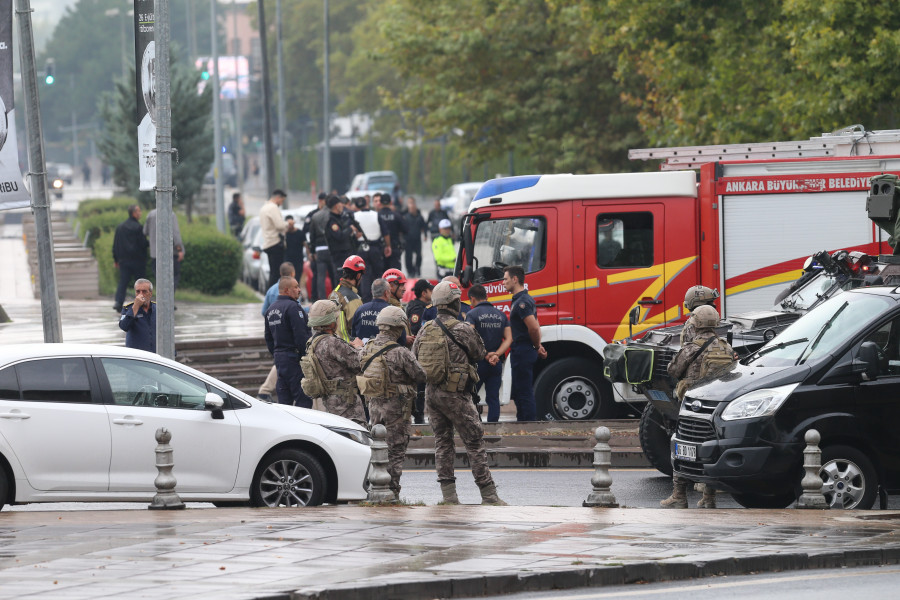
[48, 72]
[204, 74]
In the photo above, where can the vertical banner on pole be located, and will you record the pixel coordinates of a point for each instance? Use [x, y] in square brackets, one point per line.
[12, 189]
[145, 75]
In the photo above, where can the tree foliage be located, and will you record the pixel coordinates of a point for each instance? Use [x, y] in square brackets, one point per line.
[506, 75]
[192, 134]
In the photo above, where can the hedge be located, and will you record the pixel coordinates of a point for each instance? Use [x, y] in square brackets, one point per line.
[212, 262]
[95, 206]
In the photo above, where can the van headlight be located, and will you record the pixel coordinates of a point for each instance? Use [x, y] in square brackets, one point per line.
[760, 403]
[361, 437]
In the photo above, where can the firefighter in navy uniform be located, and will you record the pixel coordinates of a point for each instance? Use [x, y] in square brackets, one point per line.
[287, 332]
[415, 311]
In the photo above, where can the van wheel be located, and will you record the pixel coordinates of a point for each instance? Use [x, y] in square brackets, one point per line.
[848, 478]
[573, 389]
[288, 478]
[751, 500]
[655, 438]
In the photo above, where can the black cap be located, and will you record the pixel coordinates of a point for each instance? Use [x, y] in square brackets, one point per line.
[332, 201]
[420, 286]
[385, 198]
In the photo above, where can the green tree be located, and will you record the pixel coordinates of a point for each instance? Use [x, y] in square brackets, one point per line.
[192, 134]
[507, 75]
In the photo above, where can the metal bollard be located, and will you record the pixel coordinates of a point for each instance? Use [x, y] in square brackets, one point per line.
[601, 494]
[379, 478]
[166, 498]
[812, 496]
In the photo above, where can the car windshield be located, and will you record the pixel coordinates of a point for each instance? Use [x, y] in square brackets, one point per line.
[502, 242]
[820, 286]
[821, 330]
[381, 184]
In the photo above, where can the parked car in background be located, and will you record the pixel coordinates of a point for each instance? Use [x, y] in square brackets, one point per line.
[456, 200]
[381, 181]
[250, 240]
[229, 171]
[106, 403]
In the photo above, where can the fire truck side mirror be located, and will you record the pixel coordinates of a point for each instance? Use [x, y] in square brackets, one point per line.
[634, 315]
[466, 276]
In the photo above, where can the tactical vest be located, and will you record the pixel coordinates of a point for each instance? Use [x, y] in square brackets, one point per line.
[314, 383]
[715, 359]
[375, 380]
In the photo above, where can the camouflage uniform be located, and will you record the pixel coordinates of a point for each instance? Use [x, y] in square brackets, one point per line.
[688, 332]
[447, 410]
[686, 366]
[404, 372]
[340, 362]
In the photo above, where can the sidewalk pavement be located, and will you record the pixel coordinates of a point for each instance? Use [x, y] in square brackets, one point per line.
[359, 552]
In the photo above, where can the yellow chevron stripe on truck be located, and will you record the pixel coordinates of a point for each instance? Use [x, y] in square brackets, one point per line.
[786, 277]
[553, 290]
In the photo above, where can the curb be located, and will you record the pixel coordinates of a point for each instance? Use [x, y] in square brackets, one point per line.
[499, 458]
[644, 572]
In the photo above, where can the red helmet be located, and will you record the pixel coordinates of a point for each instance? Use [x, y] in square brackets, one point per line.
[394, 276]
[355, 263]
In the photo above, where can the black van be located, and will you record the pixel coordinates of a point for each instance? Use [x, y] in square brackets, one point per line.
[836, 370]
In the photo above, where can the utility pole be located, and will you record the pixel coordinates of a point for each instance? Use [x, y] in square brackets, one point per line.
[74, 125]
[217, 120]
[239, 157]
[165, 276]
[282, 136]
[326, 125]
[40, 204]
[267, 101]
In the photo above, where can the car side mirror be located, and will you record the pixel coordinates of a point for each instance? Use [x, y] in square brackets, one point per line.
[214, 403]
[866, 361]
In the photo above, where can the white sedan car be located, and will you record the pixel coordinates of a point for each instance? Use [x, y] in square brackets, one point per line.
[78, 423]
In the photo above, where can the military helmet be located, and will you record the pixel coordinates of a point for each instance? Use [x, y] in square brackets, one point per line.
[699, 295]
[444, 293]
[392, 316]
[705, 316]
[323, 312]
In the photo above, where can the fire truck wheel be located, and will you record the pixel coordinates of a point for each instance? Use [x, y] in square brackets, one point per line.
[654, 439]
[573, 389]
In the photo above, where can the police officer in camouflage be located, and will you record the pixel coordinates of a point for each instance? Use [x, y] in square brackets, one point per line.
[337, 362]
[389, 386]
[449, 404]
[695, 362]
[698, 295]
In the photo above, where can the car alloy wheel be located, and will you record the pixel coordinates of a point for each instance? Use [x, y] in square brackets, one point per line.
[289, 478]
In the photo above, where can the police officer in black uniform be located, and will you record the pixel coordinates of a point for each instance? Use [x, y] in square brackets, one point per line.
[341, 233]
[287, 331]
[373, 231]
[311, 237]
[395, 226]
[415, 310]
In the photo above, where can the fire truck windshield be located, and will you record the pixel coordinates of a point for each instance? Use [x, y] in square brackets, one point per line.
[503, 242]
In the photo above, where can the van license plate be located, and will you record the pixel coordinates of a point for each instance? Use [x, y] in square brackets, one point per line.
[686, 451]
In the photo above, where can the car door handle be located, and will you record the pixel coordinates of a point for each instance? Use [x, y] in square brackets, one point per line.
[546, 305]
[128, 421]
[649, 301]
[16, 415]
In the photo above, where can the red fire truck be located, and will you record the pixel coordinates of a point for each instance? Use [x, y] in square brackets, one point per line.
[595, 246]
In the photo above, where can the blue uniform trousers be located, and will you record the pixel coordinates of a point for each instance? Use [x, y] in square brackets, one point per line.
[491, 377]
[522, 358]
[287, 365]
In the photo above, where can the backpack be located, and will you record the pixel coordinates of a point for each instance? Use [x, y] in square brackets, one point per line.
[374, 381]
[433, 353]
[714, 360]
[313, 382]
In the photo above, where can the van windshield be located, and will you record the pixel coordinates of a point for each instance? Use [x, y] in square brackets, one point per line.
[821, 330]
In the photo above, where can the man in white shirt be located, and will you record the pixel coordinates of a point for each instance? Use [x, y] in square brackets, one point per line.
[273, 228]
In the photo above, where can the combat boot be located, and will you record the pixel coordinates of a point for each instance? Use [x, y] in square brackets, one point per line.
[709, 498]
[448, 490]
[489, 496]
[678, 499]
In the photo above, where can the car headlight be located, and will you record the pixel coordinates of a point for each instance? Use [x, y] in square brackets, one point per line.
[360, 437]
[760, 403]
[57, 183]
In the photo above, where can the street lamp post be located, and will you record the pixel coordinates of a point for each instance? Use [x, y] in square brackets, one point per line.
[326, 125]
